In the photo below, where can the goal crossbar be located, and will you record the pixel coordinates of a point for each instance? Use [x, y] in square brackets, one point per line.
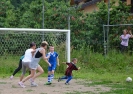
[30, 29]
[46, 30]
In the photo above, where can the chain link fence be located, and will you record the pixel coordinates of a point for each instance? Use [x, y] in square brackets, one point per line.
[112, 39]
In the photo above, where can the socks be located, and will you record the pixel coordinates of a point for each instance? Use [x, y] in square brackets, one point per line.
[52, 77]
[49, 78]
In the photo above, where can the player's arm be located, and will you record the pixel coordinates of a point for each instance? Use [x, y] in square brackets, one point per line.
[77, 68]
[32, 52]
[44, 56]
[131, 35]
[58, 61]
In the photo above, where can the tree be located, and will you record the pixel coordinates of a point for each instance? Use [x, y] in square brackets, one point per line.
[86, 28]
[7, 14]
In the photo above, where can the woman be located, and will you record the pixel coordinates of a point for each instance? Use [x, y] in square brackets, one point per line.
[29, 53]
[32, 46]
[125, 39]
[40, 52]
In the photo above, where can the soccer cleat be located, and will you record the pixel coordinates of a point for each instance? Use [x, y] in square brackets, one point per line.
[48, 83]
[59, 79]
[33, 84]
[21, 84]
[66, 83]
[11, 77]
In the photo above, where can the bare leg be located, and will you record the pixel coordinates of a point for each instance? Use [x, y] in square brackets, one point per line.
[40, 71]
[21, 77]
[52, 72]
[33, 71]
[49, 72]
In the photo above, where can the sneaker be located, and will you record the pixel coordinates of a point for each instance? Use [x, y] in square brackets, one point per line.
[59, 79]
[66, 83]
[21, 84]
[48, 83]
[11, 77]
[33, 84]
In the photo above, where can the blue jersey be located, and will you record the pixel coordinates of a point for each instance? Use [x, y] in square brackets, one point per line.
[53, 57]
[21, 57]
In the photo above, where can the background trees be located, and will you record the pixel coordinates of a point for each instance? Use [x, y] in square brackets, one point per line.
[86, 28]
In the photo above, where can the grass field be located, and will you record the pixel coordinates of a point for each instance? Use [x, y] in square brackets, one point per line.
[96, 70]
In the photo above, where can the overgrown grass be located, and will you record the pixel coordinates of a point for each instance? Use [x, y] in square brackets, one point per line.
[93, 65]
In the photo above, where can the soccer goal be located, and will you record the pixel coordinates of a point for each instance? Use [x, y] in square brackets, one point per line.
[14, 41]
[112, 35]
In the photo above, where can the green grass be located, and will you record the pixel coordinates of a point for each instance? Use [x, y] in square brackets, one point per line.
[13, 86]
[120, 88]
[43, 93]
[116, 87]
[29, 90]
[3, 82]
[76, 92]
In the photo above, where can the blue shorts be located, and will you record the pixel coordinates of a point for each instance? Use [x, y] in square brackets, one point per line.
[53, 67]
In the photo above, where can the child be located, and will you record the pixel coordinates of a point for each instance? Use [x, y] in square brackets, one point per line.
[68, 73]
[53, 60]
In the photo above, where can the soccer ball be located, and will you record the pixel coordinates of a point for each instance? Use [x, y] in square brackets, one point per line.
[129, 79]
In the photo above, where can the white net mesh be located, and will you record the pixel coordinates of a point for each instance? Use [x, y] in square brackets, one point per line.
[14, 43]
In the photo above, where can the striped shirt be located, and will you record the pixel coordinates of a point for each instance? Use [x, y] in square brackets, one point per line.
[71, 67]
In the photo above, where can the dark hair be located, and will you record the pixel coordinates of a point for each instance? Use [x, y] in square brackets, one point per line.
[74, 59]
[32, 44]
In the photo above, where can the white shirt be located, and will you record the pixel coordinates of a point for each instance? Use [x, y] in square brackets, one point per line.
[125, 39]
[28, 55]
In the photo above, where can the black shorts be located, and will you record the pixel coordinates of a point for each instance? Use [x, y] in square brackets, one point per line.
[123, 48]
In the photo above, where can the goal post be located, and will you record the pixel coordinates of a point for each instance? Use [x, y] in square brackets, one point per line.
[53, 36]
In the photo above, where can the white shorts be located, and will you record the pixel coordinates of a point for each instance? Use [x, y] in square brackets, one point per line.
[33, 65]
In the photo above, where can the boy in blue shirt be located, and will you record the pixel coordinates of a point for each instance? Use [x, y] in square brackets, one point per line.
[53, 60]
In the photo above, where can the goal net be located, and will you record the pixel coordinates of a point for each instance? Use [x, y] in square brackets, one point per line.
[14, 41]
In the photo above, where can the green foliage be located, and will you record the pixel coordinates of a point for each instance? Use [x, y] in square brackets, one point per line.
[86, 28]
[7, 14]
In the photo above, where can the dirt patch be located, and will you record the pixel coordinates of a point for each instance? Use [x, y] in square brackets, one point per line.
[8, 86]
